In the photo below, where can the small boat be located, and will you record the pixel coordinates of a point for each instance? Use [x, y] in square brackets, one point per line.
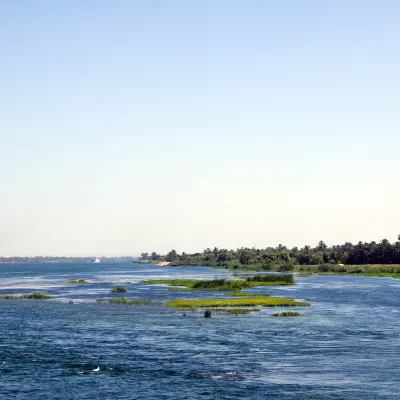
[96, 261]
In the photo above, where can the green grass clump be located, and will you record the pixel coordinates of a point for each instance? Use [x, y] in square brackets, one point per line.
[224, 285]
[217, 284]
[286, 278]
[32, 296]
[119, 289]
[134, 302]
[235, 310]
[240, 311]
[377, 270]
[78, 281]
[287, 314]
[170, 282]
[240, 302]
[239, 293]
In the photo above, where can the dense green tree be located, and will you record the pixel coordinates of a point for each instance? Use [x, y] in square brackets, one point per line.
[322, 246]
[282, 259]
[244, 257]
[171, 256]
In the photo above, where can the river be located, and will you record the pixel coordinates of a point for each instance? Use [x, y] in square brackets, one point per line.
[346, 345]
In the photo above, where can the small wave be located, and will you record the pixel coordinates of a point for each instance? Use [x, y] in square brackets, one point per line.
[225, 375]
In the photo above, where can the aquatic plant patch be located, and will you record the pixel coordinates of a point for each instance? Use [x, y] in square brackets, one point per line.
[239, 293]
[287, 314]
[287, 278]
[77, 281]
[239, 302]
[170, 282]
[225, 285]
[235, 311]
[31, 296]
[134, 302]
[241, 311]
[119, 289]
[377, 270]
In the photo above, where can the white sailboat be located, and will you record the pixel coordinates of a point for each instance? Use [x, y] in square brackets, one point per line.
[96, 261]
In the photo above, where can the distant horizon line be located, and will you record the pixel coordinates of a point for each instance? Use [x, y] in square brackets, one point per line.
[162, 255]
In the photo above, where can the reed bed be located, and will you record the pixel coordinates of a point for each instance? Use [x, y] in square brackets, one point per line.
[287, 314]
[240, 302]
[225, 285]
[31, 296]
[134, 302]
[239, 293]
[77, 281]
[118, 289]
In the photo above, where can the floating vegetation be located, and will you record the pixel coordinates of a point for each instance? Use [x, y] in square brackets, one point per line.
[377, 270]
[119, 289]
[77, 281]
[170, 282]
[239, 311]
[287, 314]
[225, 285]
[240, 302]
[134, 302]
[217, 284]
[239, 293]
[236, 311]
[303, 274]
[31, 296]
[286, 278]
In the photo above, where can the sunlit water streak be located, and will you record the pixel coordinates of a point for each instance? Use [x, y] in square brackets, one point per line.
[345, 346]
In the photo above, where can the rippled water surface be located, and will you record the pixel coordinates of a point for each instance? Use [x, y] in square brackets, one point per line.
[345, 346]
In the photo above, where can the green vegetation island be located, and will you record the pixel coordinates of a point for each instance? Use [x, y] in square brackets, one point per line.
[363, 258]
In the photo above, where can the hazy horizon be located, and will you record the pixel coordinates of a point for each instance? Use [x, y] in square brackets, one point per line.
[131, 127]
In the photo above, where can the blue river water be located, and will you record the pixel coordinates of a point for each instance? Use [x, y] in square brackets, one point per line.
[346, 345]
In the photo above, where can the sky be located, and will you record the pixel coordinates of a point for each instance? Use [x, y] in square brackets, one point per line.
[140, 126]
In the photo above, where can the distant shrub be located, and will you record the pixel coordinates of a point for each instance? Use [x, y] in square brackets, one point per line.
[286, 266]
[266, 267]
[357, 270]
[325, 268]
[286, 278]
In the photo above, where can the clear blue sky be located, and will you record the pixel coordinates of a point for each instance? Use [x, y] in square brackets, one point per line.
[130, 126]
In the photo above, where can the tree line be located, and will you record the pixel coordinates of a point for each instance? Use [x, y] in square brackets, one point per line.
[361, 253]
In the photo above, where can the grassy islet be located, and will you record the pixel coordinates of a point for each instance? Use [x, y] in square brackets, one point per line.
[239, 302]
